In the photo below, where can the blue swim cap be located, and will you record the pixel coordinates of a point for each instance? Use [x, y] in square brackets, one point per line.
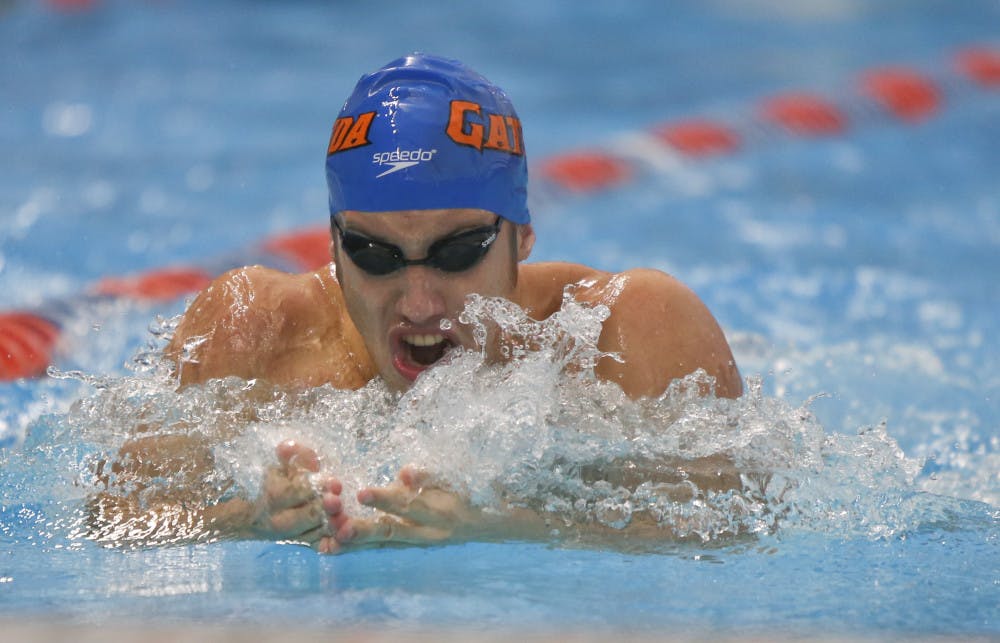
[425, 133]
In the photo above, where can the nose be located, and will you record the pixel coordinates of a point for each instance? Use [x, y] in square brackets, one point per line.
[421, 299]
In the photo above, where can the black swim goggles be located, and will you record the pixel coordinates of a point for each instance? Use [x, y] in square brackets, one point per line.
[455, 253]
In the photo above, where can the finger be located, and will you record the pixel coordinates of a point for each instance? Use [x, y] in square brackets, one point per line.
[342, 527]
[328, 545]
[332, 504]
[284, 491]
[337, 521]
[380, 530]
[295, 522]
[291, 453]
[332, 485]
[393, 499]
[413, 477]
[430, 507]
[388, 529]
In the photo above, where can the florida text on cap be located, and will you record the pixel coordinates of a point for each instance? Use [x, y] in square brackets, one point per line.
[423, 133]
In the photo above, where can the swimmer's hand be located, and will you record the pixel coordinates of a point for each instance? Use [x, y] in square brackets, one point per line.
[289, 508]
[417, 510]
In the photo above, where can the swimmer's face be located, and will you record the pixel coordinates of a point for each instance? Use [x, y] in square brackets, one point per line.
[400, 314]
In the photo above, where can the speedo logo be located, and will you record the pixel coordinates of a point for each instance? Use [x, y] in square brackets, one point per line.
[401, 159]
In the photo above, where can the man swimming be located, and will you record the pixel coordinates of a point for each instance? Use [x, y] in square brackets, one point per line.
[427, 180]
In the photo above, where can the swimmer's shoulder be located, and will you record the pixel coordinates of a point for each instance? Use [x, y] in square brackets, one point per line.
[257, 322]
[541, 285]
[658, 326]
[662, 331]
[549, 280]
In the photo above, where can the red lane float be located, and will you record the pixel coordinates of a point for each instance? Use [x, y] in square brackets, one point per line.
[308, 249]
[907, 94]
[587, 171]
[698, 137]
[27, 342]
[28, 339]
[980, 64]
[158, 285]
[804, 115]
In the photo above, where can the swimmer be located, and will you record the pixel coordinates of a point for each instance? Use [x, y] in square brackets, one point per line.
[427, 178]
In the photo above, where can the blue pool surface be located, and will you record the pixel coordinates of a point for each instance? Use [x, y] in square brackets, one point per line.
[857, 272]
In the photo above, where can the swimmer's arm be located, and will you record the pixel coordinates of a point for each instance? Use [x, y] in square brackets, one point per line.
[662, 332]
[415, 510]
[133, 511]
[122, 521]
[155, 491]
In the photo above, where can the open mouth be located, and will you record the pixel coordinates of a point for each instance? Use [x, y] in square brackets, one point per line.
[426, 349]
[415, 352]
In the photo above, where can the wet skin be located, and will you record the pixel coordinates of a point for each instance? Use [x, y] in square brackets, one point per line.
[342, 326]
[400, 315]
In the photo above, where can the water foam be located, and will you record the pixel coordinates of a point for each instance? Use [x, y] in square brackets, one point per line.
[538, 430]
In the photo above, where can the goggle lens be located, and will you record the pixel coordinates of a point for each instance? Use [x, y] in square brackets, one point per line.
[456, 253]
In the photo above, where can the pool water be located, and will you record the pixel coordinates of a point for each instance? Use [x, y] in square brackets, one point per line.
[854, 274]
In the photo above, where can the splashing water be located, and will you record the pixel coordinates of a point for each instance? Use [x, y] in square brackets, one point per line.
[538, 430]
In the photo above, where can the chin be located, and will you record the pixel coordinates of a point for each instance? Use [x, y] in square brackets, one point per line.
[395, 382]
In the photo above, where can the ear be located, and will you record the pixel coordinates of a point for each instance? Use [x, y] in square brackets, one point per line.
[525, 240]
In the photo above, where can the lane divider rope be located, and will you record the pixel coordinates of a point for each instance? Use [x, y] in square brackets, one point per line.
[29, 338]
[897, 93]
